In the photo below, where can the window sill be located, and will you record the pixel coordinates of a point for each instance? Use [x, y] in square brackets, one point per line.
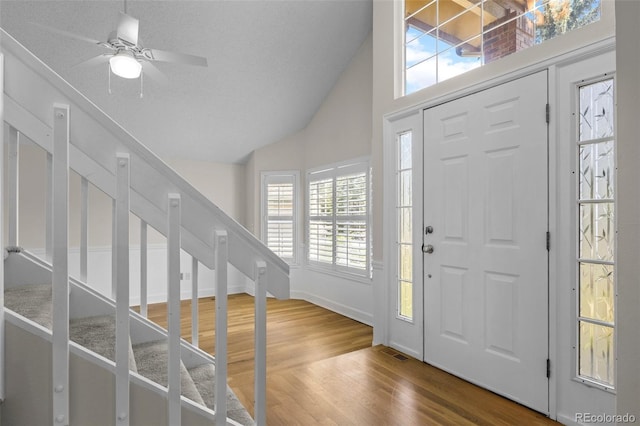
[595, 385]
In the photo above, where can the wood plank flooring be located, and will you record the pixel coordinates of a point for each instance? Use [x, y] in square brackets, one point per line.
[322, 370]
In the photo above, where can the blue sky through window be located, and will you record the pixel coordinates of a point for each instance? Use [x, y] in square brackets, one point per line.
[425, 68]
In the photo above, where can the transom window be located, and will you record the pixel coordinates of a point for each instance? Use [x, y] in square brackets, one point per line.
[445, 38]
[338, 218]
[596, 230]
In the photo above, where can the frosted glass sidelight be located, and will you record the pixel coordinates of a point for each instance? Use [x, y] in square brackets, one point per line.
[596, 232]
[596, 292]
[596, 171]
[596, 111]
[597, 352]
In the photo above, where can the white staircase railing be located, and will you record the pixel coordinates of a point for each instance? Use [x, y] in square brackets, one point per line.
[39, 106]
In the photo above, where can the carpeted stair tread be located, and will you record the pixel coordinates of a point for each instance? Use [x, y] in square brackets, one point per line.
[203, 376]
[98, 334]
[32, 302]
[152, 358]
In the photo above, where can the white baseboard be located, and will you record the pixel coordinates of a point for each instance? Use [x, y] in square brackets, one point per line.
[339, 308]
[186, 294]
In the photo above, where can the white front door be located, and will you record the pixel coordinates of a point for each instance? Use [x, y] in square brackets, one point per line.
[485, 241]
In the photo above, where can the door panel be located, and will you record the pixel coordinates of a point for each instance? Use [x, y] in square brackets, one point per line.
[486, 282]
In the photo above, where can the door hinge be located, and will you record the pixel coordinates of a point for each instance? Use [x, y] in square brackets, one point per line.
[548, 113]
[548, 368]
[548, 240]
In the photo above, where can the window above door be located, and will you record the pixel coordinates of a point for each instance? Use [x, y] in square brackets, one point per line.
[446, 38]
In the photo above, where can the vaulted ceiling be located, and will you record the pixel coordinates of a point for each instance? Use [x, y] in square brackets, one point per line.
[271, 64]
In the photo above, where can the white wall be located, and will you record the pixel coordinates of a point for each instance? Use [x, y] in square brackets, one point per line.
[221, 183]
[340, 130]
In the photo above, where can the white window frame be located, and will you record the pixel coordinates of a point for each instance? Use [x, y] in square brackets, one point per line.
[590, 33]
[273, 177]
[334, 171]
[584, 379]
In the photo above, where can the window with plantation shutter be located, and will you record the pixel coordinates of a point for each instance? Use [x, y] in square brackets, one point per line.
[279, 213]
[338, 218]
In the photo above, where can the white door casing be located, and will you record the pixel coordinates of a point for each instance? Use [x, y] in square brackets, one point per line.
[486, 198]
[404, 334]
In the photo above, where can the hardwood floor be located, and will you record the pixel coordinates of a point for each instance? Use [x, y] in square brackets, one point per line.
[322, 370]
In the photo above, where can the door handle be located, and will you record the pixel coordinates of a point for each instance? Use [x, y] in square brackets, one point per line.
[427, 249]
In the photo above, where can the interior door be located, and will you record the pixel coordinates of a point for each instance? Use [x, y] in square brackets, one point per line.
[485, 241]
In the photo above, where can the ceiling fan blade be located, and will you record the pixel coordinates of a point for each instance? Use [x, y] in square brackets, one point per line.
[175, 57]
[96, 60]
[67, 34]
[127, 29]
[154, 73]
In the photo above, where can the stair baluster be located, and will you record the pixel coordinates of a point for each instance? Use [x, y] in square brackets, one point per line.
[194, 301]
[48, 243]
[13, 141]
[173, 307]
[122, 288]
[60, 282]
[84, 227]
[143, 268]
[260, 335]
[221, 254]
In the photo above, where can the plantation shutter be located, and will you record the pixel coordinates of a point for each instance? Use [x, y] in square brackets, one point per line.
[321, 226]
[338, 218]
[279, 213]
[351, 220]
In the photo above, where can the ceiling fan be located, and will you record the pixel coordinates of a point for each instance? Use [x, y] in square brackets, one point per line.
[128, 57]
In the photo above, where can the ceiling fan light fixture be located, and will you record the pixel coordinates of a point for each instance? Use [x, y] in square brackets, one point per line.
[125, 65]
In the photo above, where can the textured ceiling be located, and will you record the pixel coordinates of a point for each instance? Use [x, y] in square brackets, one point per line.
[271, 64]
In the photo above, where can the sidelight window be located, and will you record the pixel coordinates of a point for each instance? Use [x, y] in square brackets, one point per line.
[404, 214]
[597, 233]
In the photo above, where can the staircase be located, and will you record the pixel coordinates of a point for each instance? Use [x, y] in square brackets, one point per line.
[72, 356]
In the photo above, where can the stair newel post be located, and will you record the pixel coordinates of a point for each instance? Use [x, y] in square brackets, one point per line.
[194, 301]
[143, 268]
[122, 287]
[173, 307]
[221, 241]
[84, 227]
[13, 183]
[60, 265]
[260, 301]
